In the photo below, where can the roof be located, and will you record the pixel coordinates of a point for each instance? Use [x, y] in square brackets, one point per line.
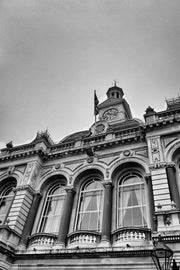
[125, 125]
[120, 126]
[76, 136]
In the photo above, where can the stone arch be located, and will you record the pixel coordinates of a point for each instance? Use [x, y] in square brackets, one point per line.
[52, 175]
[44, 185]
[171, 151]
[121, 169]
[133, 160]
[83, 170]
[82, 177]
[16, 175]
[172, 157]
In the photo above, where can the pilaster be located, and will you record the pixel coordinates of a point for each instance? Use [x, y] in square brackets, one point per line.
[160, 187]
[30, 221]
[23, 198]
[20, 208]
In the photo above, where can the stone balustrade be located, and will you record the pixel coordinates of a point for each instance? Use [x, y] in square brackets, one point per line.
[131, 237]
[42, 241]
[83, 239]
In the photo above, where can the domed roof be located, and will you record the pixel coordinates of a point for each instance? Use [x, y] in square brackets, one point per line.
[76, 136]
[115, 89]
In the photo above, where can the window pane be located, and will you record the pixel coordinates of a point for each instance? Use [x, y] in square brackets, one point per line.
[127, 218]
[6, 198]
[131, 202]
[52, 213]
[89, 217]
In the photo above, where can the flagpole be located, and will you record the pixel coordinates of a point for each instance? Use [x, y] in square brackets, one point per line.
[95, 108]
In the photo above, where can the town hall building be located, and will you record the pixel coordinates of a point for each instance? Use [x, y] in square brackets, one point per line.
[99, 198]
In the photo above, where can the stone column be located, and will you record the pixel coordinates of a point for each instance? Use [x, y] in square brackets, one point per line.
[30, 221]
[173, 188]
[151, 201]
[65, 221]
[107, 215]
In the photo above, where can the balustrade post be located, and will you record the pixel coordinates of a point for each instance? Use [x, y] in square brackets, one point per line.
[107, 215]
[173, 188]
[30, 221]
[65, 221]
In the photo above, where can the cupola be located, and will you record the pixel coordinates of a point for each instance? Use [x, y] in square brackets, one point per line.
[115, 108]
[115, 92]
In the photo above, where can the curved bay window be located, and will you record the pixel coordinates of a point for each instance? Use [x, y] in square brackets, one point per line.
[132, 210]
[6, 197]
[90, 206]
[53, 208]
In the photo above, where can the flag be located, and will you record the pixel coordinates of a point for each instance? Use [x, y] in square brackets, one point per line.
[96, 102]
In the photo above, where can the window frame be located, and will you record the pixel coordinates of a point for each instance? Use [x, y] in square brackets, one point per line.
[3, 191]
[46, 203]
[100, 211]
[119, 208]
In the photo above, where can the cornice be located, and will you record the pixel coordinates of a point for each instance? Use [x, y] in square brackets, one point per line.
[84, 253]
[162, 122]
[60, 150]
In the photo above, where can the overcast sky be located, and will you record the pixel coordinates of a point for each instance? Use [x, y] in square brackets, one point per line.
[55, 53]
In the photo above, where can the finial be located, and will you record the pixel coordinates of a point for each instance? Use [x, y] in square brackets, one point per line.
[115, 83]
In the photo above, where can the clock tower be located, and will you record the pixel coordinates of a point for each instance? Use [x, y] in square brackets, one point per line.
[115, 108]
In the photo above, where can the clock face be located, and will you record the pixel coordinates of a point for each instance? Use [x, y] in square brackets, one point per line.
[110, 114]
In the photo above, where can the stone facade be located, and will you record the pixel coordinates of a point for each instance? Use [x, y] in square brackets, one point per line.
[99, 198]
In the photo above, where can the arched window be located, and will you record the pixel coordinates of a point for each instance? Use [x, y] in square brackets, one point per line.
[90, 206]
[132, 210]
[6, 197]
[53, 208]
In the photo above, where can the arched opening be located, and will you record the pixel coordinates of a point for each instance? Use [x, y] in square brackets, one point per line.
[90, 206]
[6, 198]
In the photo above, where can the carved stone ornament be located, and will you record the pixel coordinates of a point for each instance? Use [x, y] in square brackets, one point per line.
[57, 166]
[90, 159]
[167, 219]
[170, 165]
[159, 165]
[155, 150]
[100, 128]
[127, 153]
